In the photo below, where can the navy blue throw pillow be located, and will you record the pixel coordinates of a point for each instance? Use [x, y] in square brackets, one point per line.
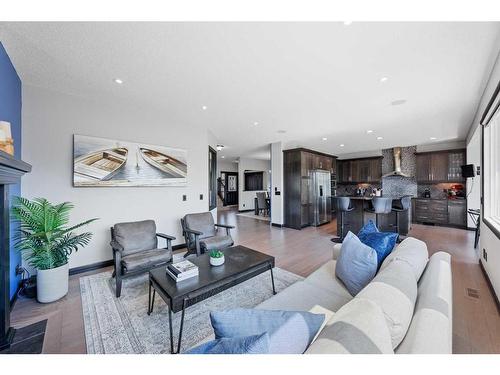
[382, 242]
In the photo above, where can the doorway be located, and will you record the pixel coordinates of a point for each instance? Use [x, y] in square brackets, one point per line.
[230, 188]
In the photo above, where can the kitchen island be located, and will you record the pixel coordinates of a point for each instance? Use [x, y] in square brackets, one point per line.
[355, 219]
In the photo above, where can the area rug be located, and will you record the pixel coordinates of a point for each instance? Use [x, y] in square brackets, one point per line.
[121, 325]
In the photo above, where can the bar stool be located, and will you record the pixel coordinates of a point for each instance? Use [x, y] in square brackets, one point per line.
[380, 206]
[342, 205]
[400, 205]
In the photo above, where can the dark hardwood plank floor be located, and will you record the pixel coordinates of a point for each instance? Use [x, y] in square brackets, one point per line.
[476, 321]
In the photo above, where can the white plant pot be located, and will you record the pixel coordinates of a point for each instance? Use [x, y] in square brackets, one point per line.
[217, 261]
[52, 285]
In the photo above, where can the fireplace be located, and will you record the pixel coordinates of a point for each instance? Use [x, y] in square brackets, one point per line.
[11, 171]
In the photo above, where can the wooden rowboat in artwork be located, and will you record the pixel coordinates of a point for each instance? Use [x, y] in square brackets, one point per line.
[101, 165]
[164, 162]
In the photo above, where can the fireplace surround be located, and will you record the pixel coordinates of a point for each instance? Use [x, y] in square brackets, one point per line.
[11, 171]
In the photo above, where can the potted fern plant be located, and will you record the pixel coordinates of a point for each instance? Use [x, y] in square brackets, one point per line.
[46, 242]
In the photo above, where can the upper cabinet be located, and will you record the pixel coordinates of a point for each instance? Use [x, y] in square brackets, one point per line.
[359, 170]
[440, 166]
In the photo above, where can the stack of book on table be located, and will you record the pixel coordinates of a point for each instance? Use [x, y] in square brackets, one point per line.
[182, 270]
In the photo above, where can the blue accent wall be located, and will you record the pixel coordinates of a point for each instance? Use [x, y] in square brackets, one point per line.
[10, 110]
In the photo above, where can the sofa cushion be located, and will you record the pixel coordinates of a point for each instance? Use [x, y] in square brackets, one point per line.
[412, 251]
[216, 242]
[302, 296]
[369, 227]
[356, 265]
[146, 259]
[324, 278]
[359, 327]
[257, 344]
[202, 222]
[394, 289]
[290, 332]
[136, 236]
[431, 327]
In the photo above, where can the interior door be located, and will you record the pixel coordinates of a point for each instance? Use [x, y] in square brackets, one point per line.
[231, 183]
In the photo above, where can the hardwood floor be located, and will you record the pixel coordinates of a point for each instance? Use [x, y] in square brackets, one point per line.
[476, 321]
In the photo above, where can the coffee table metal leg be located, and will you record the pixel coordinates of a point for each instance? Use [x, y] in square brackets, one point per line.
[182, 325]
[149, 299]
[272, 278]
[153, 299]
[171, 330]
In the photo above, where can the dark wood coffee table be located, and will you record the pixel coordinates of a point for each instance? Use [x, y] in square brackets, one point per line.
[241, 264]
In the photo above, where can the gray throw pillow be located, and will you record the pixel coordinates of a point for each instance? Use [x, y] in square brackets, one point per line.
[356, 264]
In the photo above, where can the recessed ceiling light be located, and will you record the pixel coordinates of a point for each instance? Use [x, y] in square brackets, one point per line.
[219, 147]
[282, 131]
[398, 102]
[341, 145]
[256, 123]
[324, 138]
[222, 157]
[347, 23]
[383, 79]
[204, 107]
[118, 80]
[369, 131]
[379, 138]
[432, 138]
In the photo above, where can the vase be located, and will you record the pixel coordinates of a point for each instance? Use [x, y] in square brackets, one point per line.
[217, 261]
[52, 284]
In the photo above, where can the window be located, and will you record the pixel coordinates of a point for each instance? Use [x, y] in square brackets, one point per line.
[212, 178]
[491, 173]
[254, 181]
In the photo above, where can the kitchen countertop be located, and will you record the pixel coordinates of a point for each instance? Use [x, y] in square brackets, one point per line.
[365, 198]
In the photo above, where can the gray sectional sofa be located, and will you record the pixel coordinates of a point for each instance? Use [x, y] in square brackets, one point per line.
[407, 308]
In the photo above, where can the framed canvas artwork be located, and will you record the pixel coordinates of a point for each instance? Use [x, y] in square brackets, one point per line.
[108, 162]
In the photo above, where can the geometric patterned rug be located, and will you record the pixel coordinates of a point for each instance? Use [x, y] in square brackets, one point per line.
[122, 325]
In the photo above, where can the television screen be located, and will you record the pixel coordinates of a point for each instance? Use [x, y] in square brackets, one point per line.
[468, 170]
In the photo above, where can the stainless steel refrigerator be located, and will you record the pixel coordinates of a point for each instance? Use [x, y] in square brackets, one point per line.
[320, 197]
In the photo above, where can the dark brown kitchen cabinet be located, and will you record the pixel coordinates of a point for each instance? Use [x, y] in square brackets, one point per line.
[440, 211]
[359, 170]
[440, 166]
[297, 165]
[457, 212]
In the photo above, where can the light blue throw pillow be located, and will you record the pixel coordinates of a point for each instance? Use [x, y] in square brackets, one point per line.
[382, 242]
[290, 332]
[356, 265]
[257, 344]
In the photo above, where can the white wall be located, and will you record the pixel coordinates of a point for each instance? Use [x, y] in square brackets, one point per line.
[246, 198]
[488, 239]
[474, 185]
[226, 166]
[49, 121]
[277, 183]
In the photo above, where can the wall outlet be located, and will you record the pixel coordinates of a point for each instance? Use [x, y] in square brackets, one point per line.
[485, 255]
[184, 198]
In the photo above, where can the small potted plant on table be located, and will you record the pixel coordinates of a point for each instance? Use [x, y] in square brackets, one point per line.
[216, 257]
[47, 242]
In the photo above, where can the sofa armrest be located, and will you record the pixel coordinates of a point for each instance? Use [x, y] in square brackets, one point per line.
[336, 250]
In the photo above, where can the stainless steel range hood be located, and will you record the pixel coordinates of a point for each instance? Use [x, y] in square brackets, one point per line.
[397, 164]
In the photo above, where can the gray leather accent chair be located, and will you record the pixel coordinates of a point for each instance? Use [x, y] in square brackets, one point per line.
[135, 249]
[201, 233]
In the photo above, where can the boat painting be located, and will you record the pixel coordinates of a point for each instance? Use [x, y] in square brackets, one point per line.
[107, 162]
[164, 162]
[101, 165]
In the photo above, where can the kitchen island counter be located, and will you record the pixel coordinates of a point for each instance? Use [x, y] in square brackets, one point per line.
[355, 219]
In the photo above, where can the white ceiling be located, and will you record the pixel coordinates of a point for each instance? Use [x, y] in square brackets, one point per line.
[312, 80]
